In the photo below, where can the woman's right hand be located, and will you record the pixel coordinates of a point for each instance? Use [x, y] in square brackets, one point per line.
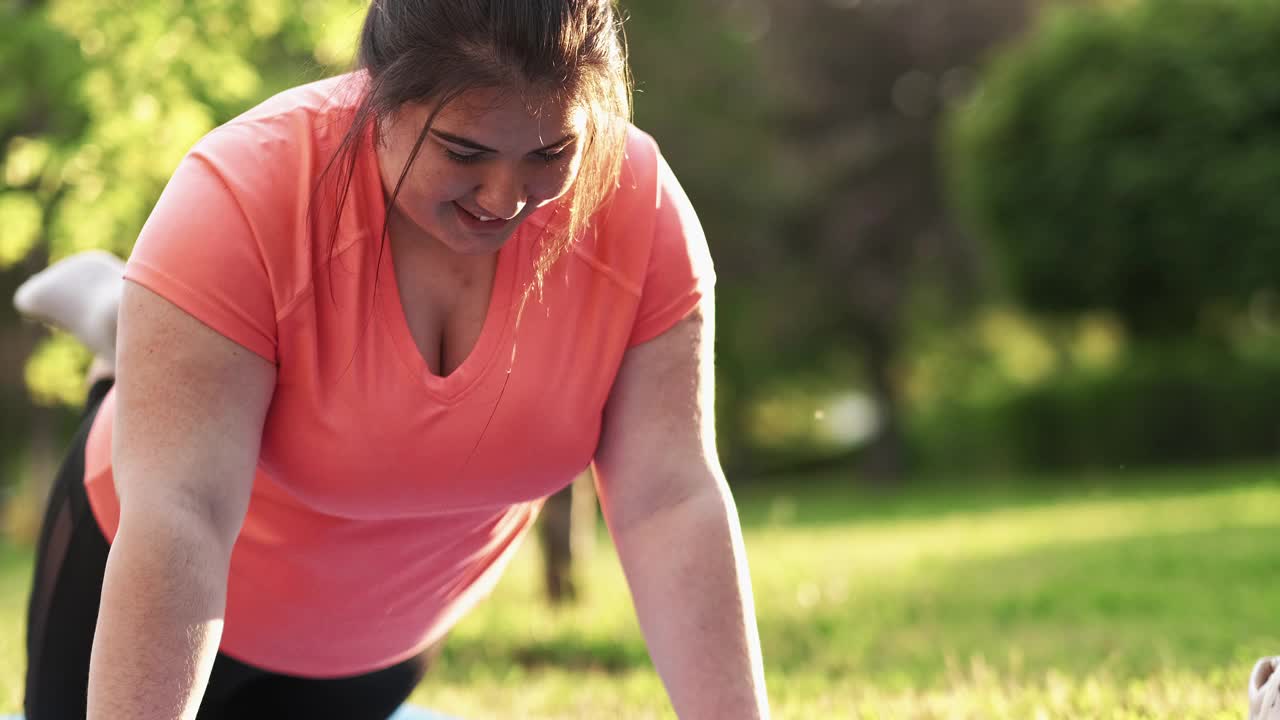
[190, 408]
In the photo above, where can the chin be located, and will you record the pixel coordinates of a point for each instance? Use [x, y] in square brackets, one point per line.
[467, 243]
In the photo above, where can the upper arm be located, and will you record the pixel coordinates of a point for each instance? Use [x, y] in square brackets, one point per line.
[190, 407]
[657, 446]
[196, 347]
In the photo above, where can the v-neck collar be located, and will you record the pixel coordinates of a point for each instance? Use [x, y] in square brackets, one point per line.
[390, 308]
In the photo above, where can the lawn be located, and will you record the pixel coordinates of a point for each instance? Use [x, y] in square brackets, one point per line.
[1130, 596]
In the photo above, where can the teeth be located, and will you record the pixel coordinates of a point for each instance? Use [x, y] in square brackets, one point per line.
[481, 218]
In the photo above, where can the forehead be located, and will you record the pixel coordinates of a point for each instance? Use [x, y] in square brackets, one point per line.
[506, 118]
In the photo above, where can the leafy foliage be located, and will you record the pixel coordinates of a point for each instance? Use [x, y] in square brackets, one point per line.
[1127, 158]
[865, 87]
[108, 102]
[1162, 405]
[149, 83]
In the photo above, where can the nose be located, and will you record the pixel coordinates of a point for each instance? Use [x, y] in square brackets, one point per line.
[502, 193]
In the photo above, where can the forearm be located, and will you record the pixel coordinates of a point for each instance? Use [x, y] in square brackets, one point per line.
[163, 599]
[687, 569]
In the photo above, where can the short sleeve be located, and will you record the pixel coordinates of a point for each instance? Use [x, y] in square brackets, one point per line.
[680, 272]
[200, 251]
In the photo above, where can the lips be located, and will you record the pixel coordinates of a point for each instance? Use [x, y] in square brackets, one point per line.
[480, 216]
[478, 222]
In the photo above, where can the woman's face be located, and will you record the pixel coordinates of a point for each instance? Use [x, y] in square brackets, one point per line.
[486, 165]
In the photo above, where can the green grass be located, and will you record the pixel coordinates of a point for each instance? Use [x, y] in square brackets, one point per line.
[1126, 596]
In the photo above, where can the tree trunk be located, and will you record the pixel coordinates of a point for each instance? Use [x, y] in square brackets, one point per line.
[567, 537]
[884, 460]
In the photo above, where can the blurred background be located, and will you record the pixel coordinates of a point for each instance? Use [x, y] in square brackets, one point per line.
[998, 352]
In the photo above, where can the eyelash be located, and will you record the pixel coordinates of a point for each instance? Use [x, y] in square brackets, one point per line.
[460, 158]
[550, 156]
[546, 157]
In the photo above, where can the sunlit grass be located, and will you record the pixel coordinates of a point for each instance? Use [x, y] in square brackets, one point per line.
[1062, 601]
[14, 583]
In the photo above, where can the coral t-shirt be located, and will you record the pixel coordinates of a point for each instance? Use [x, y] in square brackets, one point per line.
[387, 499]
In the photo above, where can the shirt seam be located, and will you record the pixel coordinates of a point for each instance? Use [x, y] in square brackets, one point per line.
[295, 299]
[623, 282]
[307, 290]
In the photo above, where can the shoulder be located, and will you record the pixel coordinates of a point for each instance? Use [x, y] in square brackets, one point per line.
[258, 171]
[286, 137]
[621, 231]
[270, 157]
[640, 163]
[646, 211]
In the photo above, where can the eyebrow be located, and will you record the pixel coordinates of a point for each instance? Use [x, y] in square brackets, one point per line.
[473, 145]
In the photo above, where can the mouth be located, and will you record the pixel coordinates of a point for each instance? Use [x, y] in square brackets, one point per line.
[478, 222]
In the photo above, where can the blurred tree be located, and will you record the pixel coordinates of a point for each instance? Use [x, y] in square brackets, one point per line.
[697, 68]
[109, 99]
[101, 101]
[862, 88]
[567, 534]
[1126, 158]
[38, 110]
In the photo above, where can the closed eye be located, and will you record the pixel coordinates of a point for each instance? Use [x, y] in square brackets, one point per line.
[463, 158]
[549, 155]
[471, 155]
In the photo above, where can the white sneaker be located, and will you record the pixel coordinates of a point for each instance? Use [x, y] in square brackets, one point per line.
[1264, 690]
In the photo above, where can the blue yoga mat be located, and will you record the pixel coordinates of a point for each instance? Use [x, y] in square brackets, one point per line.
[408, 712]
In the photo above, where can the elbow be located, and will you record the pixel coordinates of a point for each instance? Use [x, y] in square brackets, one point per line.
[706, 508]
[185, 533]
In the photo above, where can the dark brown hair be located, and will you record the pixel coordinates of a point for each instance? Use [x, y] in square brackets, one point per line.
[414, 51]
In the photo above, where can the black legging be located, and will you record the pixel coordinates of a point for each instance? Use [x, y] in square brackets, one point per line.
[70, 561]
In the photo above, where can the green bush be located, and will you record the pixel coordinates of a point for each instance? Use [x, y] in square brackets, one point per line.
[1163, 406]
[1129, 158]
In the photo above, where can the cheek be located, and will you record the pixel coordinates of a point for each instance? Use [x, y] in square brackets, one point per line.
[414, 202]
[428, 184]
